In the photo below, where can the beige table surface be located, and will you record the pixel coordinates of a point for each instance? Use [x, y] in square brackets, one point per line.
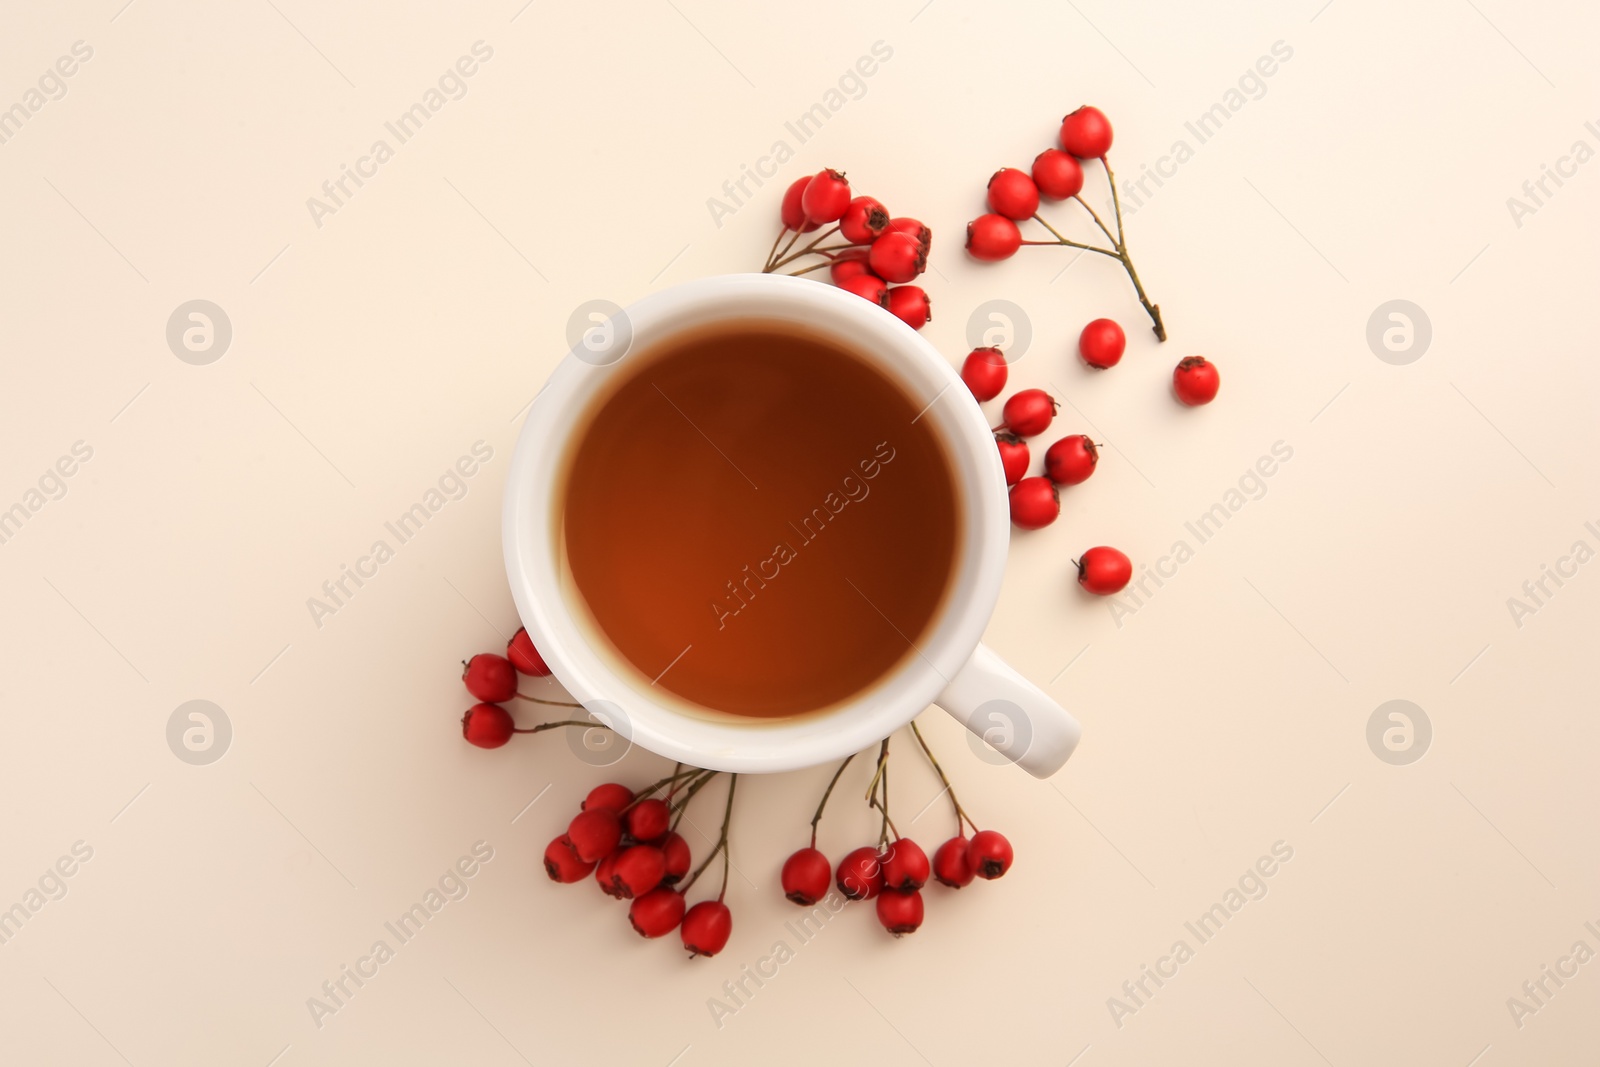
[374, 344]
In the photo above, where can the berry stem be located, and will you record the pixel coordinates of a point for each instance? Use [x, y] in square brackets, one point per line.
[1061, 240]
[807, 270]
[674, 779]
[961, 813]
[695, 785]
[826, 793]
[1153, 310]
[551, 703]
[1096, 216]
[721, 845]
[788, 257]
[774, 252]
[542, 727]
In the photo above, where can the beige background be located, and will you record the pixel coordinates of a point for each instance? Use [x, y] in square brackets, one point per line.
[1227, 714]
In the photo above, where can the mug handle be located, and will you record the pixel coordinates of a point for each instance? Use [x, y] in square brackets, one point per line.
[1011, 714]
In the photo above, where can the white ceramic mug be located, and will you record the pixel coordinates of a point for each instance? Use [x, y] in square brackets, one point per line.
[950, 668]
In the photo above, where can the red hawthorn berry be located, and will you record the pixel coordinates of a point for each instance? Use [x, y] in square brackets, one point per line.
[524, 657]
[637, 870]
[950, 863]
[860, 875]
[1014, 456]
[1101, 344]
[487, 725]
[1034, 503]
[1196, 381]
[562, 864]
[984, 372]
[1071, 460]
[657, 913]
[897, 257]
[991, 238]
[605, 875]
[826, 196]
[848, 263]
[910, 304]
[1104, 571]
[490, 677]
[594, 833]
[610, 795]
[905, 866]
[989, 854]
[1086, 133]
[794, 216]
[1029, 412]
[649, 819]
[806, 875]
[915, 228]
[1013, 194]
[868, 287]
[676, 850]
[1057, 174]
[900, 911]
[706, 928]
[863, 220]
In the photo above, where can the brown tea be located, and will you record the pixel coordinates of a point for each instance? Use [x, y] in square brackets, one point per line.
[758, 520]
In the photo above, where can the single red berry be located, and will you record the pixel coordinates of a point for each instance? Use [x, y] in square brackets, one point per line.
[1034, 503]
[868, 287]
[657, 913]
[487, 725]
[1071, 460]
[915, 228]
[989, 854]
[897, 257]
[1013, 194]
[562, 864]
[605, 875]
[610, 795]
[1029, 412]
[805, 876]
[984, 370]
[676, 850]
[1086, 133]
[794, 216]
[1104, 571]
[1196, 380]
[1101, 344]
[900, 911]
[1057, 174]
[490, 677]
[524, 657]
[905, 865]
[1014, 457]
[706, 928]
[594, 833]
[638, 870]
[910, 304]
[863, 220]
[826, 196]
[860, 875]
[648, 820]
[950, 863]
[848, 263]
[992, 238]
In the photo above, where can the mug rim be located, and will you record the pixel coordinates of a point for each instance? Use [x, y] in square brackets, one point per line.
[532, 549]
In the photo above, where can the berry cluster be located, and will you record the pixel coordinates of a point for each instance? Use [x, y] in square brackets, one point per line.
[894, 871]
[876, 256]
[1057, 174]
[630, 843]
